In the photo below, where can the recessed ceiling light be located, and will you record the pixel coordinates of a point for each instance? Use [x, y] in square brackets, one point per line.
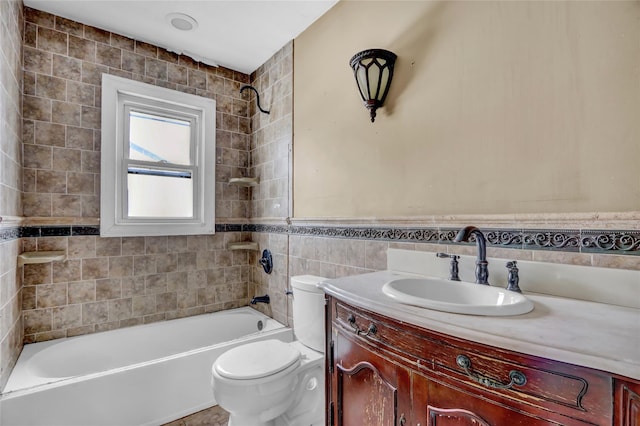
[181, 21]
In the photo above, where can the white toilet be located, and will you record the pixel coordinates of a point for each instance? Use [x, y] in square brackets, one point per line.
[273, 383]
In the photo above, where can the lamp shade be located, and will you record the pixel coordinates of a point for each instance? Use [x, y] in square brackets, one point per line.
[373, 70]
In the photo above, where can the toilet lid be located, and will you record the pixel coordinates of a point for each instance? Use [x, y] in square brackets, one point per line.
[256, 360]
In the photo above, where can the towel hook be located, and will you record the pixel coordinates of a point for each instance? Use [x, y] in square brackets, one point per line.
[257, 97]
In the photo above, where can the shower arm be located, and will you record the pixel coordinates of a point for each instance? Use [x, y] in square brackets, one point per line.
[257, 97]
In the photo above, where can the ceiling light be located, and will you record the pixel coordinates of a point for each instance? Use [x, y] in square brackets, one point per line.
[181, 21]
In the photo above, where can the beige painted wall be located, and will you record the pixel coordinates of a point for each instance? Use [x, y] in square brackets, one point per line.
[495, 107]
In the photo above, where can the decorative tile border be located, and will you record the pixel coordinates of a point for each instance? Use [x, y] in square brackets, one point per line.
[271, 229]
[569, 240]
[58, 231]
[229, 227]
[7, 234]
[548, 239]
[588, 241]
[627, 242]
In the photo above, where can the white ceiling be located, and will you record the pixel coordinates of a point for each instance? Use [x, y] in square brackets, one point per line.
[237, 34]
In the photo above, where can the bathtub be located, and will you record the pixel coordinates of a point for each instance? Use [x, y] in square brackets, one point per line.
[144, 375]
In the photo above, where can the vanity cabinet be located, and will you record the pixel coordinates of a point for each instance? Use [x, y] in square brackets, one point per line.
[369, 389]
[384, 372]
[627, 403]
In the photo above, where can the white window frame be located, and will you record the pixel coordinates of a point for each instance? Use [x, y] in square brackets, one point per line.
[119, 96]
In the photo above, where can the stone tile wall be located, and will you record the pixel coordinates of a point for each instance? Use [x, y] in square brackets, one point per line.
[11, 24]
[10, 108]
[336, 257]
[271, 138]
[107, 283]
[339, 257]
[10, 305]
[276, 283]
[270, 156]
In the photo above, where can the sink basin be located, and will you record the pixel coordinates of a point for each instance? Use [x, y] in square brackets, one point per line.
[457, 297]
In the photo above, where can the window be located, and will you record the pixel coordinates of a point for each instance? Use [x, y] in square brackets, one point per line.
[158, 161]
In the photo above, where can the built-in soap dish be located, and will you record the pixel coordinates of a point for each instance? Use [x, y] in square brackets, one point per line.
[31, 257]
[244, 245]
[244, 181]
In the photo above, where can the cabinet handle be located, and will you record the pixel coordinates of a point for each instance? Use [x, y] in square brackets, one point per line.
[517, 378]
[371, 330]
[402, 420]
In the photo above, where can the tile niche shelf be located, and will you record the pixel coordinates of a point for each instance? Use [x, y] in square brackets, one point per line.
[244, 181]
[30, 257]
[244, 245]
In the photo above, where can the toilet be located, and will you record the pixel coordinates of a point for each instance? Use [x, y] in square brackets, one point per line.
[273, 383]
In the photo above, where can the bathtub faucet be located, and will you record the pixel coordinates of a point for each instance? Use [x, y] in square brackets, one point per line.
[260, 299]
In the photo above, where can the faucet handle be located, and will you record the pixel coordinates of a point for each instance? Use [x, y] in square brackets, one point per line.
[453, 270]
[513, 278]
[445, 255]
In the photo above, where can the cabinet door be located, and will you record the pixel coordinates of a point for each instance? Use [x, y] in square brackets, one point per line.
[368, 390]
[627, 403]
[450, 406]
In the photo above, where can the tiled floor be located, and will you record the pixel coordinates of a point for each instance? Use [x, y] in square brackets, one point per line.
[214, 416]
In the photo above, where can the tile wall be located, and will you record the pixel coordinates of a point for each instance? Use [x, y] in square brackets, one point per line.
[276, 283]
[11, 24]
[107, 283]
[271, 138]
[270, 149]
[11, 19]
[338, 257]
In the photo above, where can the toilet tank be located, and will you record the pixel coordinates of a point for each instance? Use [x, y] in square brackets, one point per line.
[308, 311]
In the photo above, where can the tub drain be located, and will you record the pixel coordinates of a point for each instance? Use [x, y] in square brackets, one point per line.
[260, 325]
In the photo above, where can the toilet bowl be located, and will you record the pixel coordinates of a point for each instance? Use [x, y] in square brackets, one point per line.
[273, 383]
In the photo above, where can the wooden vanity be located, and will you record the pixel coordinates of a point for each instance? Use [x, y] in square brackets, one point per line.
[385, 371]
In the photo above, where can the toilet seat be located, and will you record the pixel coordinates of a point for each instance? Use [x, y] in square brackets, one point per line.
[256, 360]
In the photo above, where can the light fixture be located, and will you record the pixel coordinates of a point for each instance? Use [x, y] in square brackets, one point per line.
[181, 21]
[373, 70]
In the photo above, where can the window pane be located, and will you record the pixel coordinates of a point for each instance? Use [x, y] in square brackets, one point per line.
[157, 138]
[157, 194]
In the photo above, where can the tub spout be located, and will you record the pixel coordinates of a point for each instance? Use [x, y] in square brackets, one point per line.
[260, 299]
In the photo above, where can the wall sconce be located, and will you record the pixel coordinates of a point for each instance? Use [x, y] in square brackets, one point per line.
[373, 70]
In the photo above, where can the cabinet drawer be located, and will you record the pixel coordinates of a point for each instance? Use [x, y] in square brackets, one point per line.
[517, 379]
[569, 390]
[450, 406]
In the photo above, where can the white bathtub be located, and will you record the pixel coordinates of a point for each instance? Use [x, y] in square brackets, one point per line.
[143, 375]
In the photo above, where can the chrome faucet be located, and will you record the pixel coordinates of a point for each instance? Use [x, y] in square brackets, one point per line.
[482, 270]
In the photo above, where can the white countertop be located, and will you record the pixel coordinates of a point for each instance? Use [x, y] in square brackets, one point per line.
[595, 335]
